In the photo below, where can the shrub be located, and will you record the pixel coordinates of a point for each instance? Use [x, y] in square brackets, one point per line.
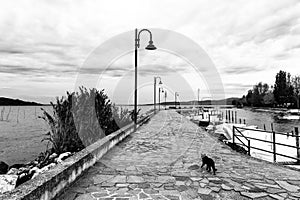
[82, 118]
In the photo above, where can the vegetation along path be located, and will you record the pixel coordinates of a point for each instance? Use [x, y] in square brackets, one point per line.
[161, 161]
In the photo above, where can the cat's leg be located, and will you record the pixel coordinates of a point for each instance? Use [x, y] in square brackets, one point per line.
[202, 165]
[209, 168]
[214, 168]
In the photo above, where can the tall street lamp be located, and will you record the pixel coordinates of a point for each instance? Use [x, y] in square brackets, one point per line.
[165, 99]
[160, 83]
[150, 46]
[176, 94]
[159, 90]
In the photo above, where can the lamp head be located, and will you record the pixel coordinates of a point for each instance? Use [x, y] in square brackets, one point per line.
[150, 46]
[160, 83]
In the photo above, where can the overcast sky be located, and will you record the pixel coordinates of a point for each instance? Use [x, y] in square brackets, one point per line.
[43, 44]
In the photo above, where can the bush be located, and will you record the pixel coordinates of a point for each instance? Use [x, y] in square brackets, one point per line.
[81, 119]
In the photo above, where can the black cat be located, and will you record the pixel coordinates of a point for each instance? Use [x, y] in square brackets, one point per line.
[210, 164]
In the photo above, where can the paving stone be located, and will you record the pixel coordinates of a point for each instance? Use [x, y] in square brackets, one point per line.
[101, 178]
[254, 195]
[204, 190]
[275, 190]
[84, 197]
[121, 185]
[135, 179]
[204, 181]
[99, 194]
[283, 194]
[275, 196]
[295, 194]
[165, 179]
[266, 185]
[142, 195]
[287, 186]
[172, 197]
[118, 179]
[215, 189]
[225, 187]
[202, 184]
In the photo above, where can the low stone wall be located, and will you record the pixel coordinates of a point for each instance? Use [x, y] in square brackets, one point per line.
[51, 183]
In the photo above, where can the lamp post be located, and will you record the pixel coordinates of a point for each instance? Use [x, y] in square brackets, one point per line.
[176, 94]
[159, 90]
[198, 96]
[165, 99]
[160, 83]
[150, 46]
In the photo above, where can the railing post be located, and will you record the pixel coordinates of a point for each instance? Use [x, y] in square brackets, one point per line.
[249, 147]
[235, 117]
[274, 147]
[297, 144]
[233, 134]
[229, 119]
[232, 116]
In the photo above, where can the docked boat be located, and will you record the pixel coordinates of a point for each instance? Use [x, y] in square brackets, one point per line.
[292, 114]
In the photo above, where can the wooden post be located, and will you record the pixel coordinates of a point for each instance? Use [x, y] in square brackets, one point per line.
[226, 115]
[264, 127]
[235, 116]
[297, 143]
[233, 134]
[274, 147]
[240, 120]
[272, 127]
[244, 121]
[229, 116]
[232, 116]
[249, 147]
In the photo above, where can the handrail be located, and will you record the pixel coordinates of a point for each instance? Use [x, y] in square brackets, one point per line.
[265, 131]
[235, 135]
[240, 132]
[273, 142]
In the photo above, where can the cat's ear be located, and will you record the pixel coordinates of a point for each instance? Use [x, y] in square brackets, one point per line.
[203, 155]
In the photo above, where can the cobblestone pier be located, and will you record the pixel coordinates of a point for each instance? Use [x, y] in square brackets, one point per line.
[161, 161]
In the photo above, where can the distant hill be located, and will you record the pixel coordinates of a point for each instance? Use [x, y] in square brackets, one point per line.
[227, 101]
[16, 102]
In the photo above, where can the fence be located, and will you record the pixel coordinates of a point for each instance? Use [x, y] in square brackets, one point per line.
[237, 135]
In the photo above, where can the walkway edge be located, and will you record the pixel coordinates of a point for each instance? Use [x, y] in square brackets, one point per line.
[50, 184]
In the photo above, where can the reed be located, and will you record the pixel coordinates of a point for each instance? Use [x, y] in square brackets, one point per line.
[81, 118]
[7, 116]
[18, 114]
[2, 113]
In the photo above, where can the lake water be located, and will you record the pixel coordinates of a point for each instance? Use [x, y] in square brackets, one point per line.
[21, 135]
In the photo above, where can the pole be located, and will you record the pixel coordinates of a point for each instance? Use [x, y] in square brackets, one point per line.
[158, 98]
[175, 100]
[198, 96]
[135, 78]
[154, 94]
[165, 99]
[274, 146]
[297, 143]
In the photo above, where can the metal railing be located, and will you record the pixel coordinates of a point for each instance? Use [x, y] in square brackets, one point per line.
[236, 130]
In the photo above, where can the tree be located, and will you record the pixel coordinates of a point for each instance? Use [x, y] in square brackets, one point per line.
[281, 88]
[296, 84]
[269, 99]
[249, 98]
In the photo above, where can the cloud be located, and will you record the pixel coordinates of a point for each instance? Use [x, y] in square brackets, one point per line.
[241, 69]
[53, 38]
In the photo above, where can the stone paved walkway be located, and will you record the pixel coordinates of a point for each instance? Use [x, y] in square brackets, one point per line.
[161, 161]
